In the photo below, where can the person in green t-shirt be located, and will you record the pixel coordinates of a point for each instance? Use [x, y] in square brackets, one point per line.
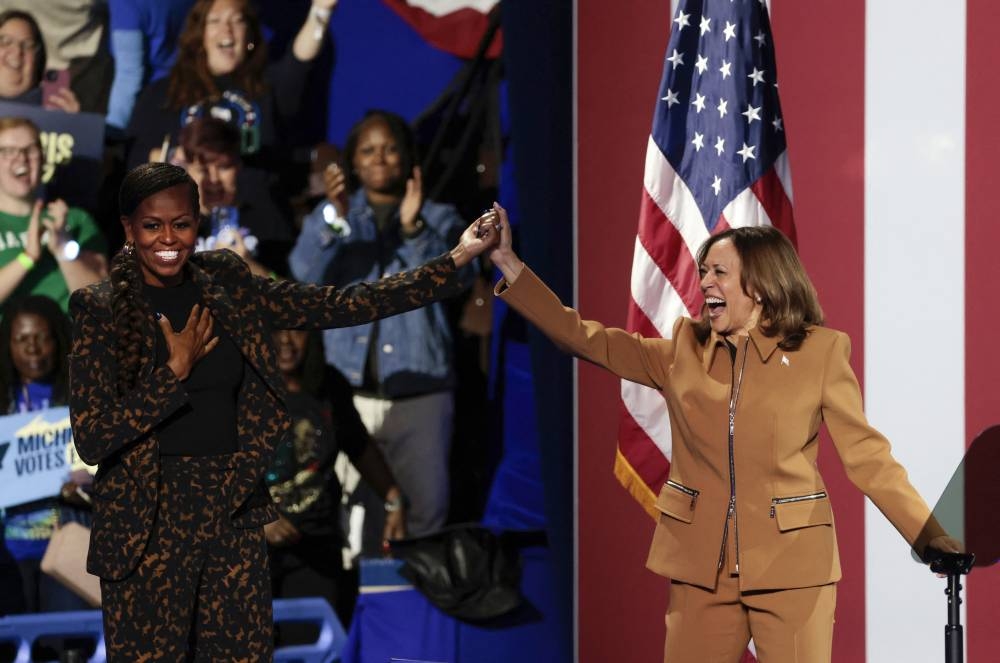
[45, 249]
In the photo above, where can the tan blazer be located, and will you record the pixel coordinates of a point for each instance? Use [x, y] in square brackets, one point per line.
[784, 529]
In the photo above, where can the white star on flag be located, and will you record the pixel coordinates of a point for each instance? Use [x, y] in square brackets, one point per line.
[751, 114]
[676, 59]
[720, 145]
[724, 69]
[747, 152]
[717, 184]
[698, 142]
[757, 76]
[729, 31]
[699, 102]
[671, 98]
[682, 20]
[706, 25]
[722, 107]
[702, 64]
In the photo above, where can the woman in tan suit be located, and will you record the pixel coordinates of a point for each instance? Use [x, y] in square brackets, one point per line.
[746, 528]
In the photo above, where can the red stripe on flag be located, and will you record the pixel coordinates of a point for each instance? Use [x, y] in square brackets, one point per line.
[641, 452]
[666, 247]
[771, 194]
[638, 321]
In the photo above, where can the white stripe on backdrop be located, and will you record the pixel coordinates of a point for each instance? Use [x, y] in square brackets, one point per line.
[914, 284]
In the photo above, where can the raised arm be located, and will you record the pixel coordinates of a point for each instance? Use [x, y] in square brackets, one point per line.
[309, 40]
[629, 356]
[16, 270]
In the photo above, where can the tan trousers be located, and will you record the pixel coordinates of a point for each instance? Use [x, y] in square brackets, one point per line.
[787, 625]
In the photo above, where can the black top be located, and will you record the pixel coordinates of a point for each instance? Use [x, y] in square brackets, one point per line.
[206, 425]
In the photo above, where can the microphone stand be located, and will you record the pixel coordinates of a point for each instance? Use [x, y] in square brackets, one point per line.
[954, 566]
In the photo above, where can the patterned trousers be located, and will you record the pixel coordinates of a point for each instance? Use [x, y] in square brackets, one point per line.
[201, 591]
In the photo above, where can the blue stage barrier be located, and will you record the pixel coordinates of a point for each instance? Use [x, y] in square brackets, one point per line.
[23, 630]
[332, 636]
[394, 622]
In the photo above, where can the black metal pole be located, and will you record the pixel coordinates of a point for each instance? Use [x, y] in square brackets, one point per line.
[953, 635]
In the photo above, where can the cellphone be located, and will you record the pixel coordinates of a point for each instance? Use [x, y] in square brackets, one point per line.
[53, 82]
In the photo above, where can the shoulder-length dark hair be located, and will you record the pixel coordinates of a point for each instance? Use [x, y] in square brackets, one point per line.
[59, 327]
[401, 132]
[36, 34]
[190, 80]
[128, 312]
[770, 268]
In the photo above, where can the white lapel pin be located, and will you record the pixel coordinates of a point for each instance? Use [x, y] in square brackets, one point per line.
[784, 360]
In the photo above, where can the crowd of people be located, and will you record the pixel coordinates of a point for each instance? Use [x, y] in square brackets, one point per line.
[194, 104]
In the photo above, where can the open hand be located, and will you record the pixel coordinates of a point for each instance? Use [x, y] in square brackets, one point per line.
[335, 186]
[33, 237]
[190, 344]
[55, 234]
[413, 200]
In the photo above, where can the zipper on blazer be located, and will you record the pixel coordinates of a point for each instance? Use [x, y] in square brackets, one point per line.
[690, 492]
[798, 498]
[737, 383]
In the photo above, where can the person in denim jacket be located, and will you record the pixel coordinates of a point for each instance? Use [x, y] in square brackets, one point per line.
[400, 367]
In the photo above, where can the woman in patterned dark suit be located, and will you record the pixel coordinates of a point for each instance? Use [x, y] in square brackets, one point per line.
[176, 393]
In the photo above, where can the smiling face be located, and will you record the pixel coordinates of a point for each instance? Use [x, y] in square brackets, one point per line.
[377, 159]
[225, 38]
[730, 310]
[291, 346]
[17, 58]
[20, 167]
[164, 229]
[32, 347]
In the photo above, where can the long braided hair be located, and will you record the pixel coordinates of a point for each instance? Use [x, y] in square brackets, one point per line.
[128, 310]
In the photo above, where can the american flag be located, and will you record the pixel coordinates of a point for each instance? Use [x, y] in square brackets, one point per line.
[716, 159]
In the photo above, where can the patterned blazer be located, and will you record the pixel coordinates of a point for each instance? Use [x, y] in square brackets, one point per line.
[119, 433]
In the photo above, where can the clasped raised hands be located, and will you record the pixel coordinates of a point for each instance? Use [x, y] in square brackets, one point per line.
[190, 344]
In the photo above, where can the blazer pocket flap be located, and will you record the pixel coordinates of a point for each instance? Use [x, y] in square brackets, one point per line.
[676, 503]
[805, 513]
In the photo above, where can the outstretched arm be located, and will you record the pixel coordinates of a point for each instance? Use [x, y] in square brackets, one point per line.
[300, 306]
[629, 356]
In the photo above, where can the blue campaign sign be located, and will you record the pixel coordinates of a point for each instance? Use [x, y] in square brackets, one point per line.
[72, 148]
[36, 453]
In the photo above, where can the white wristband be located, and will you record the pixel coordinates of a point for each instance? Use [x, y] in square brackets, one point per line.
[322, 16]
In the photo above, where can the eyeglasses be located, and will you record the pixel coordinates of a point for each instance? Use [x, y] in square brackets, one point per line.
[10, 152]
[26, 45]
